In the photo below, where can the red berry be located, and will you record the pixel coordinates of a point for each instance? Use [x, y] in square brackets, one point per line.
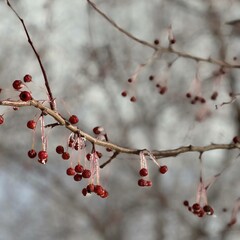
[42, 155]
[133, 99]
[130, 80]
[17, 84]
[60, 149]
[99, 190]
[84, 192]
[27, 78]
[88, 156]
[90, 187]
[99, 154]
[141, 182]
[236, 139]
[77, 177]
[214, 95]
[43, 161]
[86, 173]
[97, 130]
[188, 95]
[151, 78]
[156, 41]
[31, 124]
[186, 203]
[124, 93]
[25, 96]
[148, 183]
[1, 119]
[73, 119]
[79, 168]
[143, 172]
[196, 207]
[105, 194]
[70, 171]
[65, 156]
[163, 169]
[208, 210]
[163, 90]
[32, 153]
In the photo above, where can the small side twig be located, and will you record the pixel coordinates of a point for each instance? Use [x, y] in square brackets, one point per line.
[51, 98]
[109, 160]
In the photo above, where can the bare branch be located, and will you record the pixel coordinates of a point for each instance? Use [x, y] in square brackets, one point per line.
[51, 98]
[163, 49]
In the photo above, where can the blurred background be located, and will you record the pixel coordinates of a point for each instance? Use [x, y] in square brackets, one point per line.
[88, 63]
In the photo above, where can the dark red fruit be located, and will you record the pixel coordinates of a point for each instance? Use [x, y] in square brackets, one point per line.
[124, 93]
[188, 95]
[70, 171]
[99, 190]
[97, 130]
[90, 187]
[60, 149]
[141, 182]
[151, 78]
[143, 172]
[186, 203]
[163, 169]
[196, 207]
[208, 210]
[148, 183]
[1, 119]
[156, 41]
[88, 156]
[32, 153]
[17, 84]
[105, 194]
[25, 96]
[77, 177]
[214, 95]
[99, 154]
[236, 139]
[65, 156]
[133, 99]
[79, 168]
[163, 90]
[86, 173]
[31, 124]
[84, 192]
[73, 119]
[27, 78]
[43, 155]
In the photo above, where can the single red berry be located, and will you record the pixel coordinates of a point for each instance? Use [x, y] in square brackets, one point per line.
[141, 182]
[42, 155]
[208, 210]
[214, 95]
[90, 187]
[1, 119]
[203, 100]
[99, 154]
[173, 41]
[143, 172]
[27, 78]
[186, 203]
[60, 149]
[133, 99]
[151, 78]
[200, 213]
[97, 130]
[148, 183]
[105, 194]
[86, 173]
[236, 139]
[31, 124]
[124, 93]
[84, 192]
[98, 189]
[70, 171]
[25, 96]
[188, 95]
[156, 41]
[163, 90]
[32, 153]
[65, 156]
[77, 177]
[196, 207]
[89, 156]
[130, 80]
[73, 119]
[17, 84]
[79, 168]
[163, 169]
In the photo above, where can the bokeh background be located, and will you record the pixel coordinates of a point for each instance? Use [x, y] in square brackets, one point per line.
[88, 63]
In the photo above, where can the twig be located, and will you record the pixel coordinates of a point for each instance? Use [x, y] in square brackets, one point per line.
[52, 102]
[118, 149]
[110, 159]
[163, 49]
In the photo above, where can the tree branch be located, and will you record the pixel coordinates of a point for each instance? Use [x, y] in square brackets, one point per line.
[163, 49]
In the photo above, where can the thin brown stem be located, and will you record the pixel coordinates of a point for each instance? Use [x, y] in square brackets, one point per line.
[51, 98]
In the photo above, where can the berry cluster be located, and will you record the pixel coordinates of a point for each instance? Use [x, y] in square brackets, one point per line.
[199, 210]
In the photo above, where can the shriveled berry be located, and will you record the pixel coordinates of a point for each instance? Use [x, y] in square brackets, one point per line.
[148, 183]
[77, 177]
[79, 168]
[27, 78]
[89, 156]
[42, 155]
[163, 169]
[130, 80]
[1, 119]
[73, 119]
[32, 153]
[208, 210]
[17, 84]
[97, 130]
[86, 173]
[214, 95]
[25, 96]
[60, 149]
[31, 124]
[84, 192]
[99, 154]
[163, 90]
[70, 171]
[143, 172]
[133, 99]
[65, 156]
